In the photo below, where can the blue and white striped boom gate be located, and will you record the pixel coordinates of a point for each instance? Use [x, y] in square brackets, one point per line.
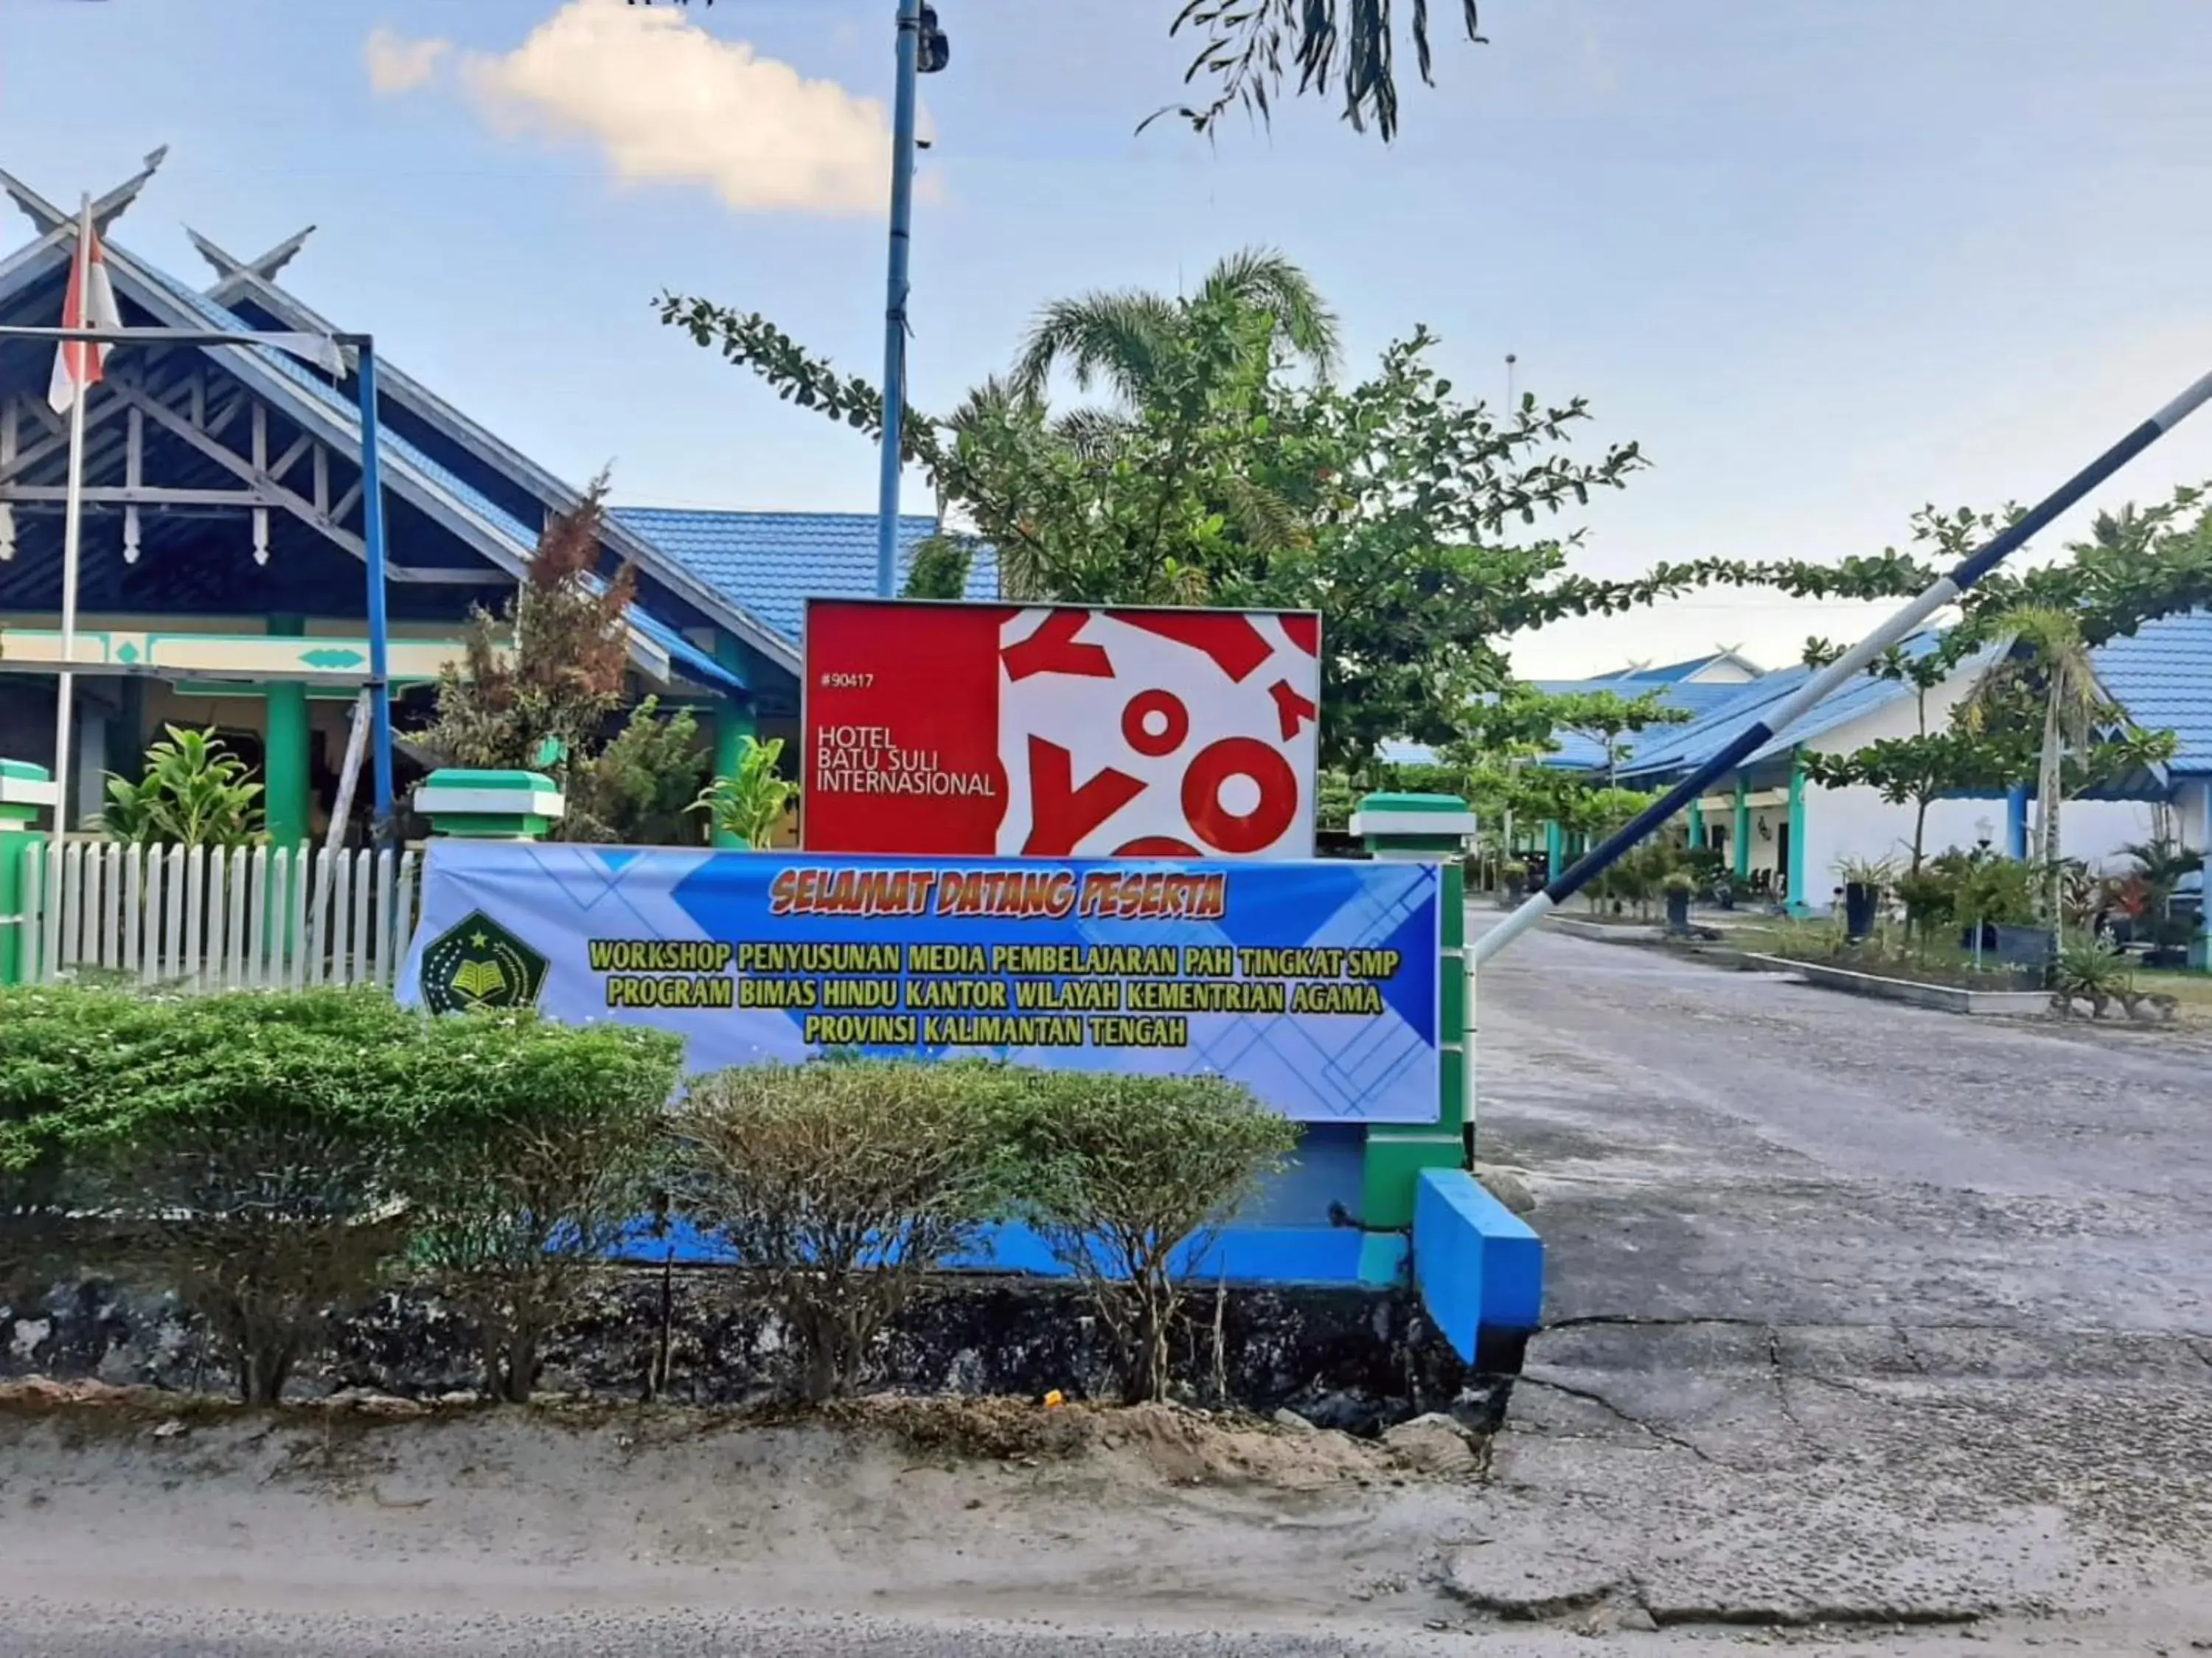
[1795, 707]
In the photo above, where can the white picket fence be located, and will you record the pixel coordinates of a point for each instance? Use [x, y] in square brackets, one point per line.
[210, 919]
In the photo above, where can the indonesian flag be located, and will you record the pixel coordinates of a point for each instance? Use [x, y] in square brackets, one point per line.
[90, 304]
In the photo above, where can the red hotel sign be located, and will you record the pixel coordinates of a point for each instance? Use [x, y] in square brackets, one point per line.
[1050, 731]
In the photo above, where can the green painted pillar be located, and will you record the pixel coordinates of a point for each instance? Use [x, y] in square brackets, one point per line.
[1697, 826]
[1424, 829]
[288, 773]
[1555, 849]
[25, 790]
[465, 805]
[736, 720]
[1795, 874]
[1740, 839]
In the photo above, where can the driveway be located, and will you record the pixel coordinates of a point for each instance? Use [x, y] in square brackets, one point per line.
[1853, 1306]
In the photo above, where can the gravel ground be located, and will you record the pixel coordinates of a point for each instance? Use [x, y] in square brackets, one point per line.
[1871, 1328]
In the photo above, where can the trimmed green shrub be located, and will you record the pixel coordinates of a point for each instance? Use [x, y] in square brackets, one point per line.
[1126, 1176]
[537, 1149]
[248, 1146]
[843, 1185]
[57, 1046]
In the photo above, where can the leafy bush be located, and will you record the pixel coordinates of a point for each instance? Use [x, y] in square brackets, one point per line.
[939, 568]
[1930, 896]
[192, 792]
[639, 789]
[56, 1045]
[537, 1150]
[749, 804]
[2002, 891]
[251, 1144]
[1125, 1176]
[843, 1185]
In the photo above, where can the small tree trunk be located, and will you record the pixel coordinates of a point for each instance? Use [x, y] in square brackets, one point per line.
[264, 1368]
[521, 1363]
[2048, 787]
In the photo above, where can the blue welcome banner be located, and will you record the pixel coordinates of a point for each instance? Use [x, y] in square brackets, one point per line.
[1314, 983]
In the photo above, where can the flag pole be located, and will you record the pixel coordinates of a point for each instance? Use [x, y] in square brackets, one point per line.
[72, 533]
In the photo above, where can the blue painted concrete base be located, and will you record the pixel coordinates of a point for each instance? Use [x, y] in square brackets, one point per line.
[1478, 1265]
[1251, 1254]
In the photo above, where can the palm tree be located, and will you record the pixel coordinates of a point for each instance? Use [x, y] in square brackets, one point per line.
[2049, 662]
[2161, 865]
[1176, 360]
[1251, 48]
[1121, 337]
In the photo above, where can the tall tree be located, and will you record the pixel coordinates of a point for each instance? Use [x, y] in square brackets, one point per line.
[2048, 668]
[1400, 512]
[541, 685]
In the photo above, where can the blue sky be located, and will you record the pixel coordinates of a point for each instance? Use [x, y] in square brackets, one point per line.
[1826, 262]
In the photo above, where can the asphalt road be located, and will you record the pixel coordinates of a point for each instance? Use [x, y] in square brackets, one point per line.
[1736, 1145]
[1863, 1321]
[1905, 1312]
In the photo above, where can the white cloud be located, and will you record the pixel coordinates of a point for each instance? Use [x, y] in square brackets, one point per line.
[397, 64]
[670, 103]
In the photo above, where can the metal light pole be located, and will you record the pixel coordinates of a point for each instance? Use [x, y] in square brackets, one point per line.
[922, 50]
[380, 644]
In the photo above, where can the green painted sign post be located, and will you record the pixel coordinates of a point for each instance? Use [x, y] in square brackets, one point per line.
[467, 805]
[1423, 829]
[25, 791]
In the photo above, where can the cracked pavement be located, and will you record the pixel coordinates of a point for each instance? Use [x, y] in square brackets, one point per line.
[1858, 1315]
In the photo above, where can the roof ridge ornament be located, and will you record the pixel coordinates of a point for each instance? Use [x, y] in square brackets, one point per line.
[233, 272]
[47, 219]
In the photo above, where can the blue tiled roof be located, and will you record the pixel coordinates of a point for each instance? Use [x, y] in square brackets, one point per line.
[389, 445]
[1668, 674]
[1677, 672]
[772, 562]
[1680, 749]
[2162, 676]
[394, 449]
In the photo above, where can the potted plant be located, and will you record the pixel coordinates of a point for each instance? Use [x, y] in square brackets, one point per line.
[1865, 880]
[1679, 886]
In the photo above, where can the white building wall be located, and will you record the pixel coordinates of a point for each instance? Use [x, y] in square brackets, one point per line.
[2196, 816]
[1857, 824]
[2095, 830]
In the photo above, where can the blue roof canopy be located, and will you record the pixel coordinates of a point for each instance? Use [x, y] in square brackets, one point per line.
[772, 562]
